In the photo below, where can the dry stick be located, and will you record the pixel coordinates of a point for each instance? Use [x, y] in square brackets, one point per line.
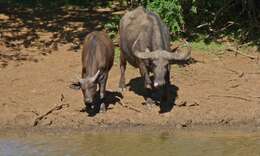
[129, 107]
[240, 74]
[239, 52]
[34, 112]
[231, 96]
[254, 73]
[58, 107]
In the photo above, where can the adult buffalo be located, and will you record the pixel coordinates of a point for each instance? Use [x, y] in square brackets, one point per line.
[145, 44]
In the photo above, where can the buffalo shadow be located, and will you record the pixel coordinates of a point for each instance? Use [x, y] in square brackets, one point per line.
[111, 98]
[137, 86]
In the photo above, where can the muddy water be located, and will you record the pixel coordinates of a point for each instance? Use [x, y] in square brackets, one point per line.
[132, 144]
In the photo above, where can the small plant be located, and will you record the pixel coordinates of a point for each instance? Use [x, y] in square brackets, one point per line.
[112, 26]
[170, 12]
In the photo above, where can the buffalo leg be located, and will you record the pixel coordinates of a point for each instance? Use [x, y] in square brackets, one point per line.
[144, 73]
[165, 100]
[165, 91]
[122, 70]
[147, 83]
[102, 92]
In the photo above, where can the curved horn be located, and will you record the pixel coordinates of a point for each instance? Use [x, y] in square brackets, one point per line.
[140, 54]
[94, 78]
[146, 55]
[178, 55]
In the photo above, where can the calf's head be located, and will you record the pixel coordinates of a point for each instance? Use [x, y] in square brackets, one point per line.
[88, 86]
[160, 60]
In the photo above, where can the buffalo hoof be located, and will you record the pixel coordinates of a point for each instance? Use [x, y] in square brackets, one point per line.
[120, 89]
[102, 108]
[150, 102]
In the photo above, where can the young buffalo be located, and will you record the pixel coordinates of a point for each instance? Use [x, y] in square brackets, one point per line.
[97, 60]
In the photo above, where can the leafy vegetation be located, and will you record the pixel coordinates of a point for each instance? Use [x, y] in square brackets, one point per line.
[112, 26]
[170, 11]
[197, 20]
[212, 19]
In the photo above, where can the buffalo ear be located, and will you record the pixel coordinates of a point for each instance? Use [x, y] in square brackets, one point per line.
[75, 85]
[81, 82]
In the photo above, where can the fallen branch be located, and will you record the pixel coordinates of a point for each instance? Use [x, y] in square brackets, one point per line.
[254, 73]
[202, 25]
[129, 107]
[34, 112]
[243, 54]
[240, 74]
[235, 86]
[231, 96]
[58, 107]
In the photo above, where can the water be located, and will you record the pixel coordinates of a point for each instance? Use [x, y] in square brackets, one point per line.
[131, 144]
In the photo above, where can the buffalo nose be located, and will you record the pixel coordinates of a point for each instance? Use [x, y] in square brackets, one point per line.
[158, 84]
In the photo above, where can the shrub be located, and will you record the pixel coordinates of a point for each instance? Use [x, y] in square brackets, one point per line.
[171, 13]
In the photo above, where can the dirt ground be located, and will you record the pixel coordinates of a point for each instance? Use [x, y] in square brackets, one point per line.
[212, 91]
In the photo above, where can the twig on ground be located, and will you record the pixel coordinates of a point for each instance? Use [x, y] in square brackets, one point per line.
[240, 74]
[58, 107]
[235, 86]
[254, 73]
[243, 54]
[181, 104]
[245, 44]
[231, 96]
[55, 108]
[34, 112]
[129, 107]
[188, 104]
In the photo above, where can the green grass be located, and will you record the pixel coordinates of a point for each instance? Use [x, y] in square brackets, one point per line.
[212, 47]
[117, 55]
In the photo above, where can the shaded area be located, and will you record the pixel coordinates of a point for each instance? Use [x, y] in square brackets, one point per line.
[222, 21]
[209, 20]
[6, 56]
[46, 25]
[137, 86]
[111, 98]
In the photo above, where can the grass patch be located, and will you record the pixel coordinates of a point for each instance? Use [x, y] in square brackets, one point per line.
[117, 55]
[212, 47]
